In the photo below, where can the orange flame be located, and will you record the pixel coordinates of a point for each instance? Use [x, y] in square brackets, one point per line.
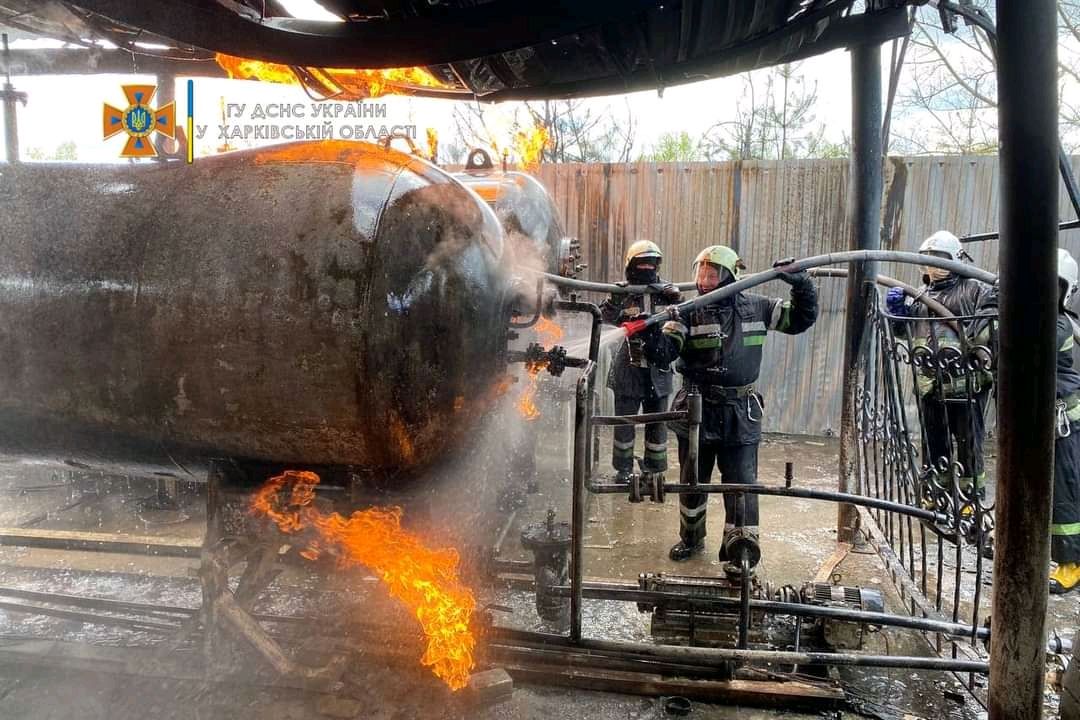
[526, 403]
[433, 144]
[548, 333]
[345, 83]
[529, 145]
[424, 579]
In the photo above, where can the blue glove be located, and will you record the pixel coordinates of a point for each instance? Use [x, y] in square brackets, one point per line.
[895, 302]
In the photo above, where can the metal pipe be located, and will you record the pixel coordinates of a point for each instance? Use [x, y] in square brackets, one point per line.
[629, 592]
[91, 618]
[591, 309]
[670, 653]
[693, 407]
[916, 294]
[783, 491]
[980, 237]
[744, 603]
[1027, 112]
[613, 289]
[104, 604]
[638, 419]
[577, 521]
[960, 268]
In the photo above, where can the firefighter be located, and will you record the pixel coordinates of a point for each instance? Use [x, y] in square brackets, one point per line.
[719, 352]
[953, 410]
[1065, 524]
[636, 380]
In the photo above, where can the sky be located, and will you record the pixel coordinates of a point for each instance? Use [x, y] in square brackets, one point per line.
[67, 109]
[64, 109]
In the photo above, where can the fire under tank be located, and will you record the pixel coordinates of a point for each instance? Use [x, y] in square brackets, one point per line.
[317, 304]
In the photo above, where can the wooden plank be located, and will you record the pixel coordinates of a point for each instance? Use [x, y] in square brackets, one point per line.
[101, 542]
[825, 572]
[728, 692]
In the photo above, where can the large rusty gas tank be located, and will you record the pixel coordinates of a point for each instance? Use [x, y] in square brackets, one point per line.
[329, 303]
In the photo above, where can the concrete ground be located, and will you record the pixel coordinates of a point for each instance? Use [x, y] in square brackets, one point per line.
[623, 540]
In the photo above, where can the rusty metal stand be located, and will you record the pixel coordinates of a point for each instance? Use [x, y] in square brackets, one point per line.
[227, 614]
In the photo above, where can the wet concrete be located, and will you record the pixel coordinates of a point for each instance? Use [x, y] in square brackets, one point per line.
[622, 541]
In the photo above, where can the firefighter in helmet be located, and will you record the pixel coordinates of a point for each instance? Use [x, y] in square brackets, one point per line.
[1065, 522]
[637, 380]
[719, 350]
[953, 405]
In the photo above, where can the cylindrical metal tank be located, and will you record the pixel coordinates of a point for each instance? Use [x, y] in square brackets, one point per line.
[322, 304]
[529, 218]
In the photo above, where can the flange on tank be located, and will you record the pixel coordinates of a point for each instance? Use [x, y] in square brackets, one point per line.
[318, 304]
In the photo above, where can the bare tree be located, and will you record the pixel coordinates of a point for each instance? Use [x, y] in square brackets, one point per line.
[774, 119]
[949, 98]
[577, 130]
[585, 131]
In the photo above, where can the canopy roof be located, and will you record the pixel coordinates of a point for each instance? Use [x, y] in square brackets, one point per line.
[490, 49]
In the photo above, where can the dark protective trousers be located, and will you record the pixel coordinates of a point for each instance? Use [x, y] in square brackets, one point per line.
[1065, 523]
[622, 448]
[737, 465]
[956, 430]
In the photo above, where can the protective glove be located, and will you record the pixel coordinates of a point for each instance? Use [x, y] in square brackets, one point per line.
[896, 302]
[791, 278]
[670, 292]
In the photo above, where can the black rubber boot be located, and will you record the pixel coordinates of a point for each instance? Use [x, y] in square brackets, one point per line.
[680, 551]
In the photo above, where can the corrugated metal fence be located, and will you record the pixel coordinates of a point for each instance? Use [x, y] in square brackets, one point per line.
[769, 210]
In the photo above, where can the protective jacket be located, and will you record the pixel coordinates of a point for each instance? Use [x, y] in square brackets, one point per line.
[719, 350]
[1065, 522]
[963, 297]
[636, 370]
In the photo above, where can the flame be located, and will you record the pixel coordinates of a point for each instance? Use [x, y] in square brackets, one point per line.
[344, 83]
[240, 68]
[526, 403]
[424, 579]
[530, 144]
[547, 334]
[433, 144]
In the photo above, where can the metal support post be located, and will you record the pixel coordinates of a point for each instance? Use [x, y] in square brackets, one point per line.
[1029, 160]
[10, 97]
[166, 93]
[866, 174]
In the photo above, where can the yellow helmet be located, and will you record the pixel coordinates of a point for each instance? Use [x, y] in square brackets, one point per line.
[721, 256]
[643, 249]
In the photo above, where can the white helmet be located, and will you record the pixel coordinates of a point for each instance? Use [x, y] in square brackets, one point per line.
[1068, 271]
[944, 242]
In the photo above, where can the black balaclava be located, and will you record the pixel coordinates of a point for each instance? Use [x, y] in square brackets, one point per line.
[635, 275]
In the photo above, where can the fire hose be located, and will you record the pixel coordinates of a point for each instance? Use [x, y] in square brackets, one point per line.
[615, 289]
[684, 308]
